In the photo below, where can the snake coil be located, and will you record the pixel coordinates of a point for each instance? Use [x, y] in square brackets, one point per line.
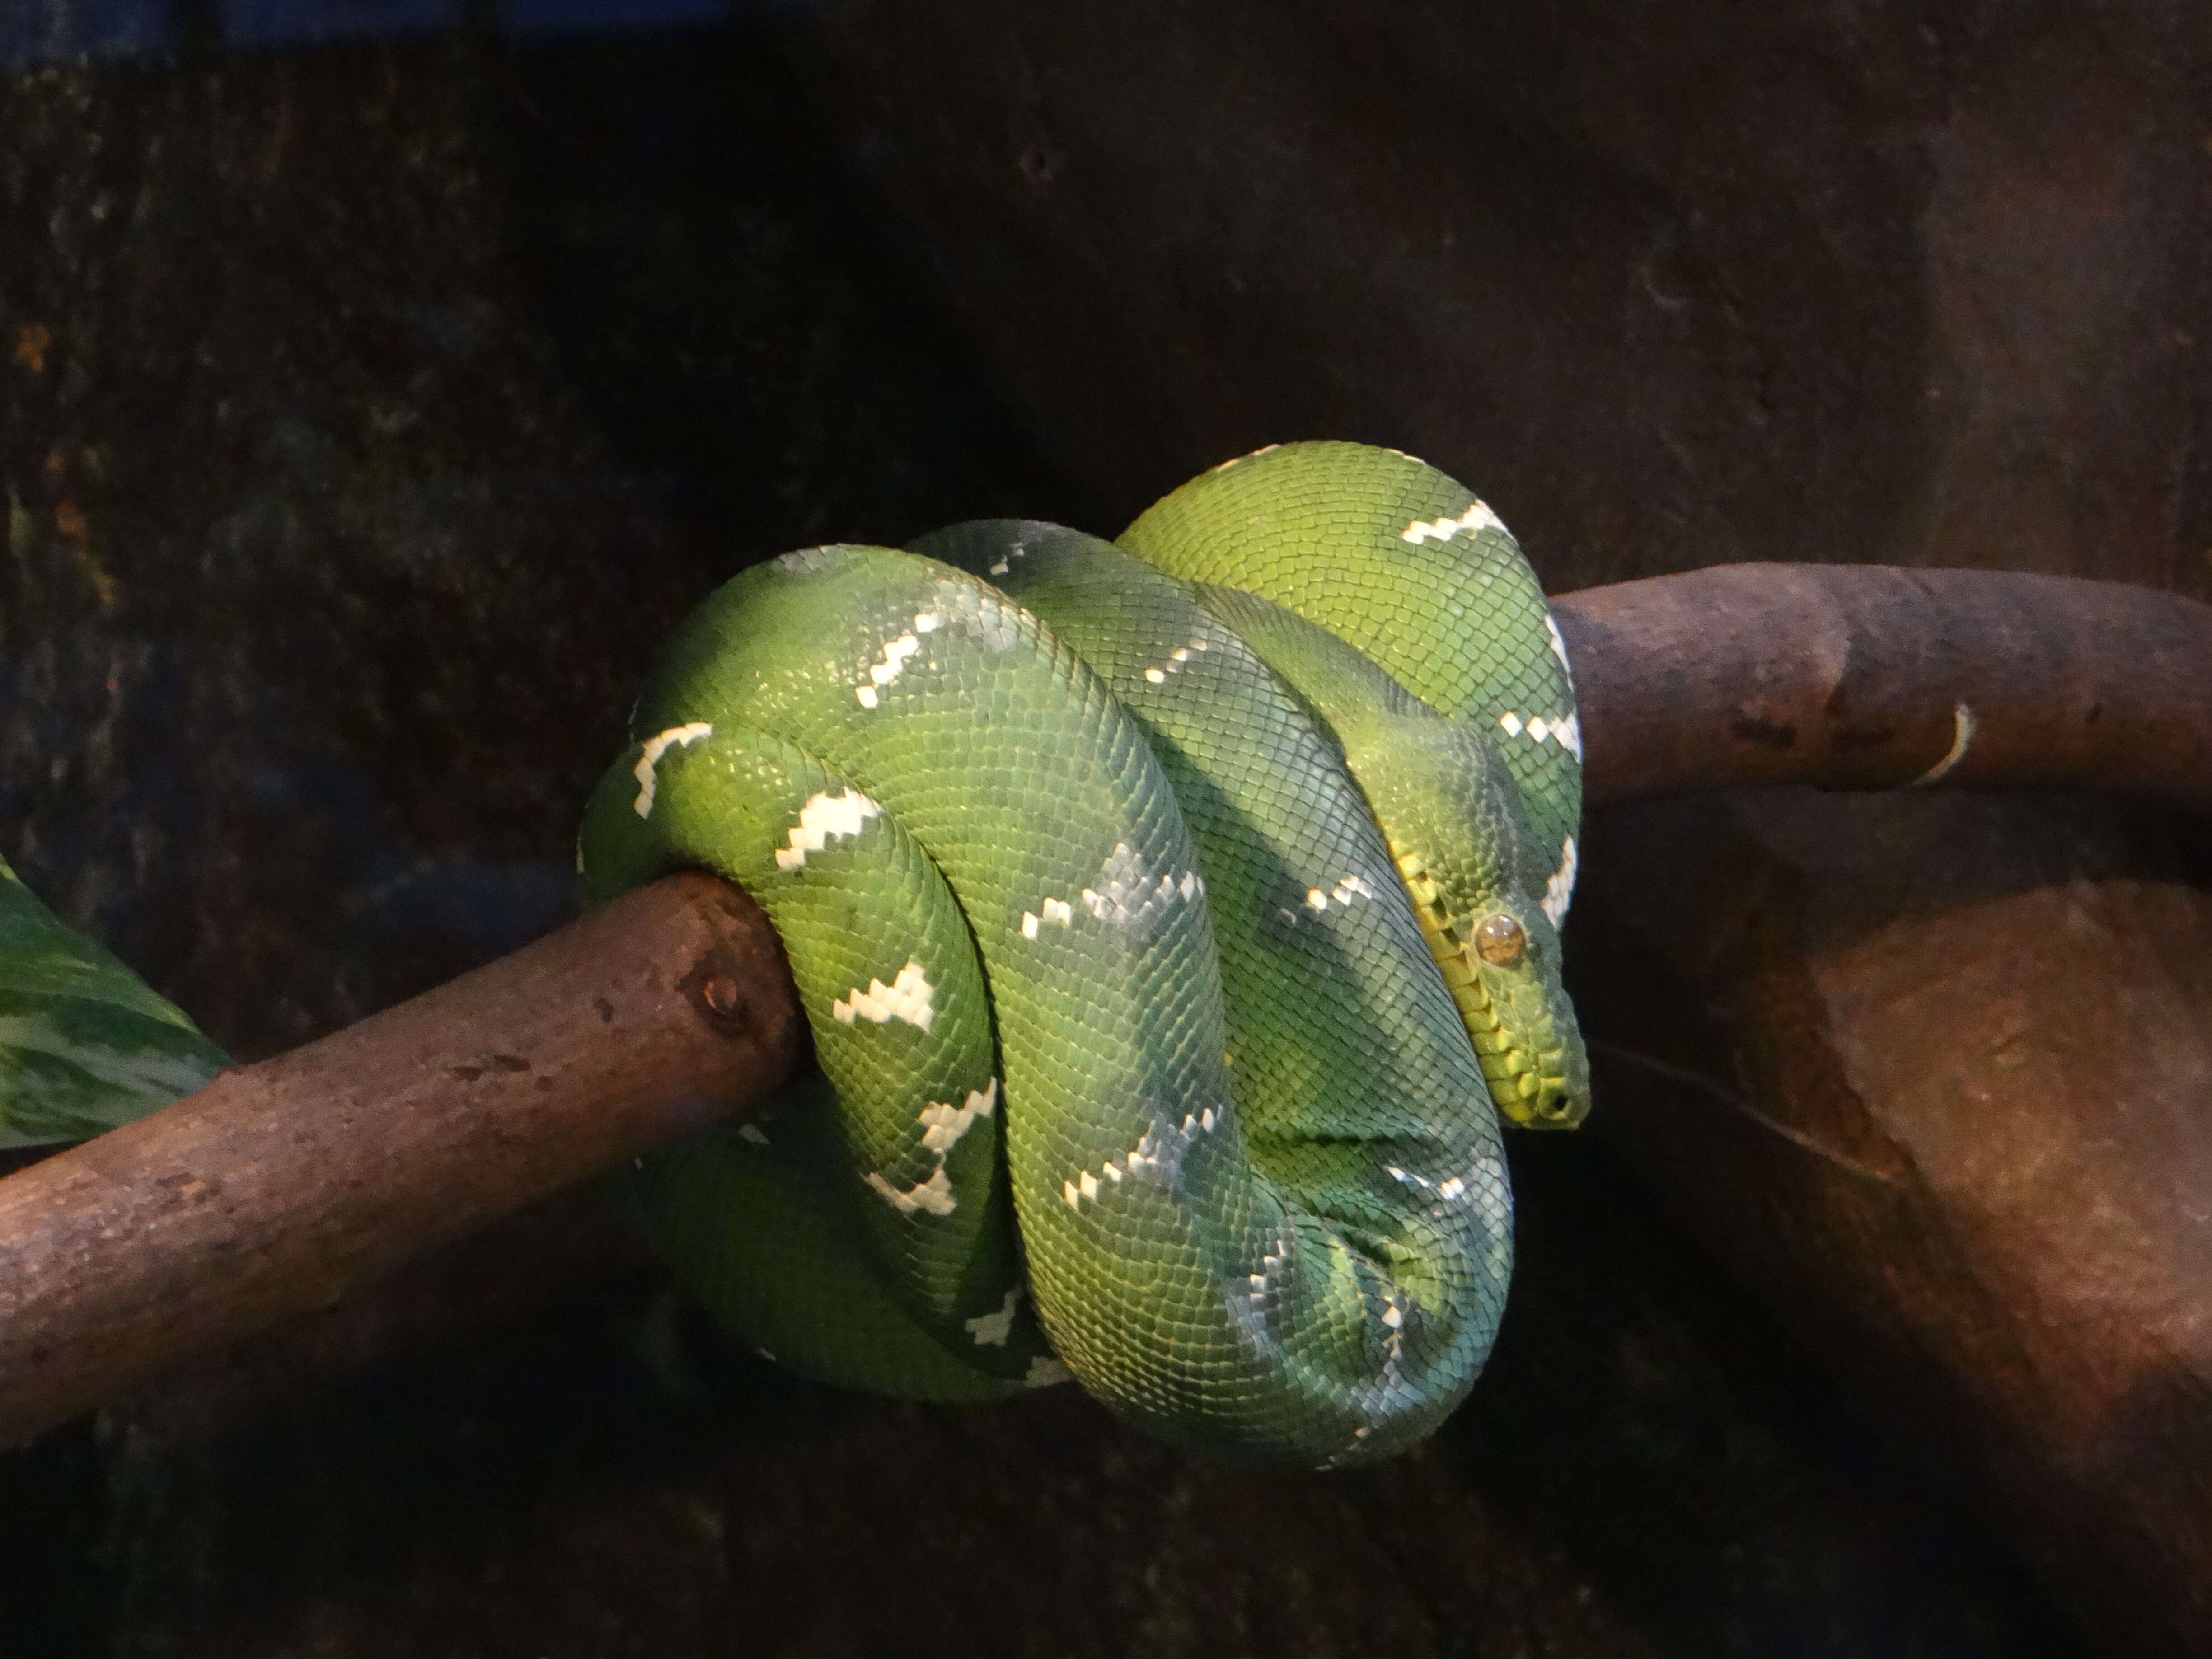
[1173, 919]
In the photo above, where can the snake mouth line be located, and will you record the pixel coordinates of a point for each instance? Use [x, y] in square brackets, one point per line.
[1528, 1088]
[1529, 1083]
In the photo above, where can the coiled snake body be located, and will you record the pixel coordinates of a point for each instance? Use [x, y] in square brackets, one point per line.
[1173, 919]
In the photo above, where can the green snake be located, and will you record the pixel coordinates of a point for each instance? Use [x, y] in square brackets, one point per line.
[1174, 918]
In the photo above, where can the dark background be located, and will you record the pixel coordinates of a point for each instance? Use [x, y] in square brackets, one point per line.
[377, 382]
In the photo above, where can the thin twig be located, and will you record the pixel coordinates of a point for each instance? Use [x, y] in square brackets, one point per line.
[1698, 1083]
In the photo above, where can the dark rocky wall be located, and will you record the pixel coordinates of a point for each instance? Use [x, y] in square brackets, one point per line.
[1678, 286]
[367, 415]
[1673, 287]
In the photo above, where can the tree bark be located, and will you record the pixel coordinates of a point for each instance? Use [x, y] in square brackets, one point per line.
[1866, 677]
[282, 1187]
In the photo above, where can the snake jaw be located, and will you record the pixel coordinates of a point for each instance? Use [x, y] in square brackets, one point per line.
[1536, 1073]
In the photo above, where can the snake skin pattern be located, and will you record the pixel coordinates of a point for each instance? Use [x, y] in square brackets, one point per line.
[1173, 919]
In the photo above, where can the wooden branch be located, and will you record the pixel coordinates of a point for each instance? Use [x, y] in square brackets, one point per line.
[279, 1188]
[1866, 677]
[283, 1186]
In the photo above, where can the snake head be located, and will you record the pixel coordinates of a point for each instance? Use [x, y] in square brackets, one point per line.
[1453, 824]
[1499, 956]
[1452, 816]
[1507, 984]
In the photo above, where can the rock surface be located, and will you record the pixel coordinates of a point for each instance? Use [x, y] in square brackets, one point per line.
[1672, 286]
[371, 411]
[1677, 287]
[1978, 1190]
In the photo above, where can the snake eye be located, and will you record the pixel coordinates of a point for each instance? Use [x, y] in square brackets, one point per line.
[1500, 941]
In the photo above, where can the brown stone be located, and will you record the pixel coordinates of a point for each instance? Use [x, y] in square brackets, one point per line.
[1678, 287]
[258, 650]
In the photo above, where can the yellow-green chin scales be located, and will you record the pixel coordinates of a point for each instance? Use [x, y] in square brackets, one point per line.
[1174, 918]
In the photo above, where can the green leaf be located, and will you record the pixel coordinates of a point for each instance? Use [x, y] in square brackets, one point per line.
[85, 1044]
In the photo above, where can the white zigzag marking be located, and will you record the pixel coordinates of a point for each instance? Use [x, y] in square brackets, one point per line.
[1157, 1155]
[1477, 517]
[1054, 910]
[991, 1330]
[823, 818]
[1566, 731]
[1130, 896]
[942, 1127]
[655, 747]
[1449, 1188]
[1343, 893]
[1559, 890]
[895, 652]
[1177, 659]
[943, 1124]
[1269, 1263]
[934, 1194]
[1253, 456]
[1560, 646]
[905, 997]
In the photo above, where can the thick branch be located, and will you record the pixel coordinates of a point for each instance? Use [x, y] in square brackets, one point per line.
[1866, 676]
[281, 1187]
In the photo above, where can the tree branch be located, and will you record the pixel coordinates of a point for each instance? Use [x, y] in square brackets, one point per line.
[1869, 677]
[282, 1187]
